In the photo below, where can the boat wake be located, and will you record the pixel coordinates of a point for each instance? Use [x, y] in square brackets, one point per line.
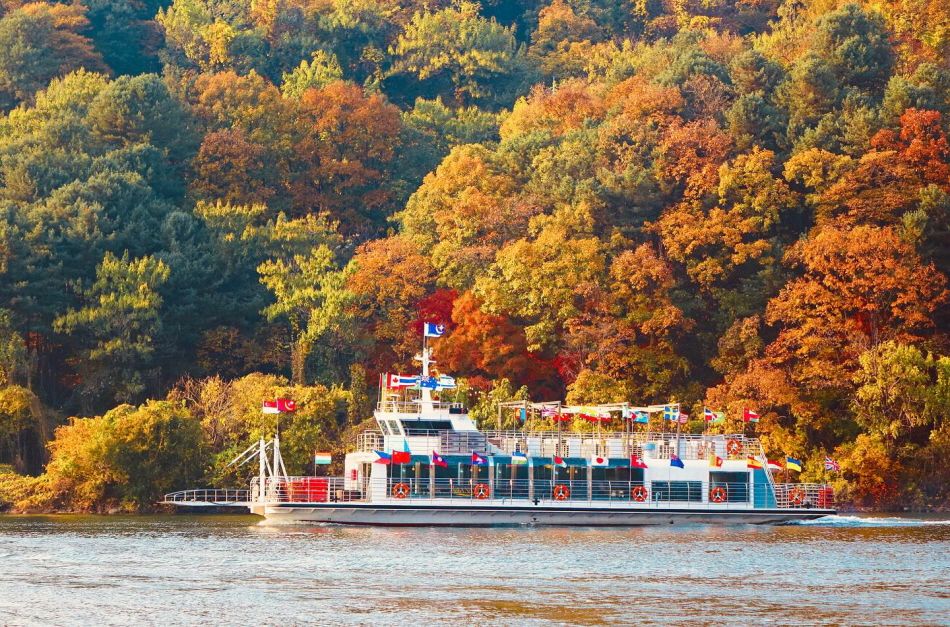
[863, 521]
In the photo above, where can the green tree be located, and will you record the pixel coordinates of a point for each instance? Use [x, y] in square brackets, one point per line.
[461, 56]
[310, 294]
[117, 325]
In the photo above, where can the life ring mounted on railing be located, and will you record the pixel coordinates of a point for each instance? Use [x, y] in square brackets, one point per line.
[796, 496]
[718, 494]
[639, 493]
[733, 448]
[561, 492]
[400, 490]
[481, 491]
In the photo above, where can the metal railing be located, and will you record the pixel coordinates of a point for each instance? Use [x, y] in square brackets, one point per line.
[799, 495]
[310, 490]
[611, 444]
[369, 440]
[209, 496]
[414, 407]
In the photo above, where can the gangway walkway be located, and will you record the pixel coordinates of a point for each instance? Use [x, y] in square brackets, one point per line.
[209, 498]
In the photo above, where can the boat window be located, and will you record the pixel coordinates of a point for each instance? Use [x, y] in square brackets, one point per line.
[394, 427]
[384, 427]
[677, 491]
[735, 483]
[423, 427]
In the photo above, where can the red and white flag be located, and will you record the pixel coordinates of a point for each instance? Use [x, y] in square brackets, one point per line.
[750, 416]
[280, 406]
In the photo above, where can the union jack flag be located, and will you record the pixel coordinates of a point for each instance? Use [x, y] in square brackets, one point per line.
[831, 464]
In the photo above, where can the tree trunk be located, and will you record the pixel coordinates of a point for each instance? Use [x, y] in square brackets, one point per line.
[298, 360]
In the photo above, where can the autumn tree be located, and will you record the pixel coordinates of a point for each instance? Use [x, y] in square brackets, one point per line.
[860, 287]
[41, 41]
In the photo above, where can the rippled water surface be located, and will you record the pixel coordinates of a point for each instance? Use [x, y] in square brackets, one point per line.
[235, 570]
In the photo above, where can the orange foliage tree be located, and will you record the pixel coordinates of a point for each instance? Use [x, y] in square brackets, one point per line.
[859, 287]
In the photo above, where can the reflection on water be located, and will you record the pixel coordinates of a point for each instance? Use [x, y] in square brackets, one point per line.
[236, 570]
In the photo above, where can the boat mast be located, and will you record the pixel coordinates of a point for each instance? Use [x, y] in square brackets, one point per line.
[426, 395]
[261, 470]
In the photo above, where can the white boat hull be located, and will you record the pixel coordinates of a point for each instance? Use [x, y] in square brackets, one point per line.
[501, 515]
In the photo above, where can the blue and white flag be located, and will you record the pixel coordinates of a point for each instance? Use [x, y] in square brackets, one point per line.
[671, 412]
[434, 330]
[445, 382]
[642, 417]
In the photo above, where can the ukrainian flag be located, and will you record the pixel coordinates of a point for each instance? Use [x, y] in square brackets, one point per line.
[793, 464]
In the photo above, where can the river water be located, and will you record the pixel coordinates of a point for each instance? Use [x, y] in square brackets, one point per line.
[235, 570]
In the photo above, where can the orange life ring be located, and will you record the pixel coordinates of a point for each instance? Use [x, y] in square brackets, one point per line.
[733, 448]
[400, 490]
[561, 493]
[639, 493]
[796, 496]
[718, 494]
[481, 491]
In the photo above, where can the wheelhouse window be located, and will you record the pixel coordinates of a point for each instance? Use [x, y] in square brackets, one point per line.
[425, 427]
[691, 491]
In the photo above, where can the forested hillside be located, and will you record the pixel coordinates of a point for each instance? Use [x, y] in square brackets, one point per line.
[725, 203]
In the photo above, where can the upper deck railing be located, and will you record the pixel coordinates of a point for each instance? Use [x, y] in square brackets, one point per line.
[615, 444]
[415, 407]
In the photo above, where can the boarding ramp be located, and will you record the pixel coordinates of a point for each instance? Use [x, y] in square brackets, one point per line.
[208, 498]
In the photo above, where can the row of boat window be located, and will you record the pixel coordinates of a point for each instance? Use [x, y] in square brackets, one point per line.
[602, 480]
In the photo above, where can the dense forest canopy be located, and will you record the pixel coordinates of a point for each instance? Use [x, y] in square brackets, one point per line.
[726, 204]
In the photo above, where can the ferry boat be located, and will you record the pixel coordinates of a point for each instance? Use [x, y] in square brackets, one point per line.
[427, 463]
